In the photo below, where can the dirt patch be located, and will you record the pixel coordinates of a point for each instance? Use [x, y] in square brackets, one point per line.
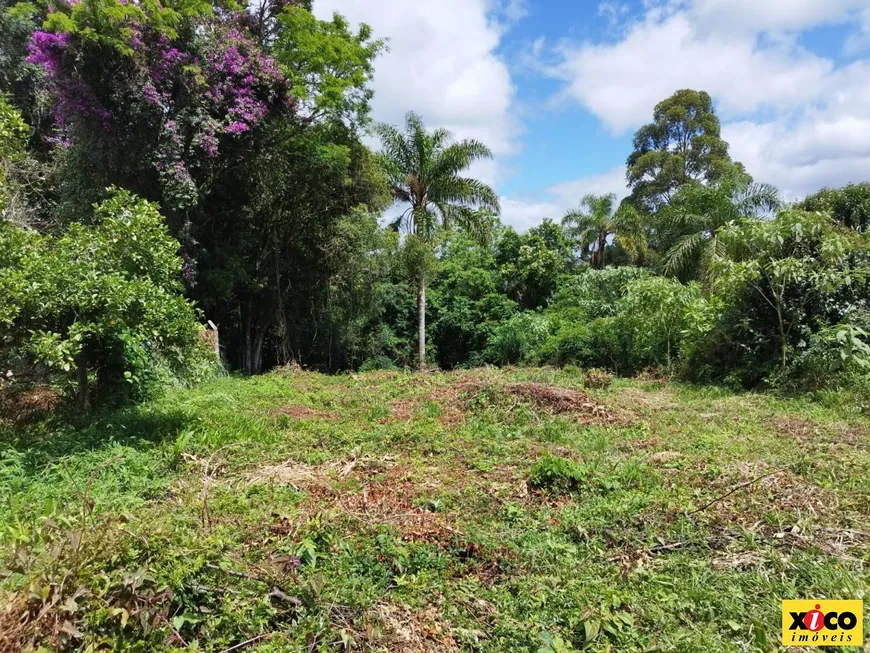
[643, 444]
[304, 476]
[783, 491]
[664, 457]
[393, 502]
[399, 629]
[20, 406]
[655, 400]
[389, 495]
[402, 410]
[298, 411]
[809, 432]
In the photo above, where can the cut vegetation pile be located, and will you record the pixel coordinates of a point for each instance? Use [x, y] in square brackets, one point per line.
[476, 511]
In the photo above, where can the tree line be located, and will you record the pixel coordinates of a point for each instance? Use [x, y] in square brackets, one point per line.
[168, 163]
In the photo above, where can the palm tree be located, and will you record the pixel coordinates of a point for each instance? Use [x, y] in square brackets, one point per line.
[597, 220]
[697, 212]
[425, 173]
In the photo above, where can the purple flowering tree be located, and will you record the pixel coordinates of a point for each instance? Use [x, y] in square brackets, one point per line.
[244, 126]
[166, 94]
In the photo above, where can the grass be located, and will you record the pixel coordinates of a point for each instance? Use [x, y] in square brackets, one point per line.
[485, 511]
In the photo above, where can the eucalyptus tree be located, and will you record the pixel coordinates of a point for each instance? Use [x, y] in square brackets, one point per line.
[426, 172]
[683, 145]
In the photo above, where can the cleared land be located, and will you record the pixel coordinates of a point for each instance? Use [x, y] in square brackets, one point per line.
[383, 511]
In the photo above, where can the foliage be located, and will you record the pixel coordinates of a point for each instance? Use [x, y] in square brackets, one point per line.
[101, 300]
[599, 220]
[690, 221]
[558, 475]
[779, 283]
[849, 205]
[245, 125]
[518, 339]
[654, 311]
[530, 264]
[595, 293]
[683, 145]
[836, 357]
[466, 303]
[13, 139]
[328, 66]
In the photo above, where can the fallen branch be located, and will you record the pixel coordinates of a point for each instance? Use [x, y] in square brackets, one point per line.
[275, 593]
[248, 642]
[214, 590]
[738, 488]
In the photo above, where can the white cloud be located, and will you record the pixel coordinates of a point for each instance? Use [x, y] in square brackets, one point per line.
[827, 145]
[774, 15]
[622, 82]
[522, 214]
[612, 181]
[442, 63]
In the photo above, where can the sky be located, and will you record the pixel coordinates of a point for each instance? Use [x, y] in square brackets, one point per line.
[557, 88]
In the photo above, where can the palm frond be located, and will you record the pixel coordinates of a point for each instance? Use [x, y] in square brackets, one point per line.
[684, 253]
[758, 197]
[464, 190]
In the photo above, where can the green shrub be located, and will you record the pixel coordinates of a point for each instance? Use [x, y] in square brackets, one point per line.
[654, 310]
[519, 339]
[780, 289]
[377, 363]
[837, 358]
[595, 293]
[100, 302]
[558, 475]
[602, 343]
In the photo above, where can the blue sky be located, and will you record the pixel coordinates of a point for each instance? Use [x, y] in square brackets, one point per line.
[557, 87]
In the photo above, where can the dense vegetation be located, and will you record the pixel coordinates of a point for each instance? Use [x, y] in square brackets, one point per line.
[244, 128]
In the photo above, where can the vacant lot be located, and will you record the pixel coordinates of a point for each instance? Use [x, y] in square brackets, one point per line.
[485, 510]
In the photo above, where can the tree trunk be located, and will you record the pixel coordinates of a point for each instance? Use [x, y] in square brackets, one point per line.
[421, 321]
[248, 346]
[782, 338]
[83, 399]
[257, 361]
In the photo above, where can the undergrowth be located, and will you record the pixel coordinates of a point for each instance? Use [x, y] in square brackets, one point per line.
[482, 511]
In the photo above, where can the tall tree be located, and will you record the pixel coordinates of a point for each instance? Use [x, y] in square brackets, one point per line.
[682, 145]
[425, 170]
[597, 220]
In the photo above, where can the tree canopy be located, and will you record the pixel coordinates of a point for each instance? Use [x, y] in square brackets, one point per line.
[683, 145]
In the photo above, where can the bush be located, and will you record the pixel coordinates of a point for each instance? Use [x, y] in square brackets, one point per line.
[595, 293]
[558, 475]
[519, 339]
[377, 363]
[837, 358]
[100, 301]
[782, 292]
[654, 310]
[597, 379]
